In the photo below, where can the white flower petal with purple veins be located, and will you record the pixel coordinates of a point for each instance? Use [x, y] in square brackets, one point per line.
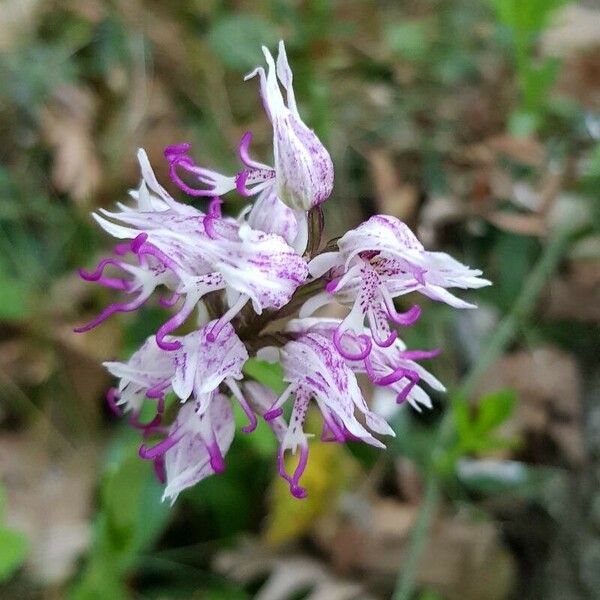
[261, 266]
[271, 215]
[314, 370]
[381, 234]
[378, 261]
[202, 365]
[148, 369]
[393, 368]
[303, 167]
[196, 445]
[442, 272]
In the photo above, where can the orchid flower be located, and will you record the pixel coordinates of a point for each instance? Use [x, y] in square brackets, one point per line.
[315, 370]
[147, 374]
[393, 368]
[243, 276]
[193, 254]
[378, 261]
[196, 444]
[198, 367]
[302, 177]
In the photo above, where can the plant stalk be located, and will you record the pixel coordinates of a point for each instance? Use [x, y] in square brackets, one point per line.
[493, 349]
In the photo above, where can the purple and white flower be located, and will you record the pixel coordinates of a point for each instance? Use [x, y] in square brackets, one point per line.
[192, 254]
[393, 368]
[220, 266]
[315, 371]
[303, 167]
[196, 368]
[147, 374]
[378, 261]
[302, 177]
[196, 445]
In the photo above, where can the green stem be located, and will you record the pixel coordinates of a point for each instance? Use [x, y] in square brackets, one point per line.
[493, 349]
[418, 539]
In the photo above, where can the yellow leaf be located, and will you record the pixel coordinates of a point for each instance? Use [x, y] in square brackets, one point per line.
[330, 470]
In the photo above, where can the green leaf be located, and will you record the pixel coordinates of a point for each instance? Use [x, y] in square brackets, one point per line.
[462, 418]
[13, 550]
[14, 299]
[131, 503]
[237, 40]
[515, 255]
[269, 374]
[523, 123]
[494, 410]
[410, 40]
[13, 545]
[526, 15]
[537, 82]
[130, 518]
[474, 433]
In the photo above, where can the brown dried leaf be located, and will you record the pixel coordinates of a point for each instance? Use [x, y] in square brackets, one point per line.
[573, 29]
[48, 498]
[28, 364]
[287, 576]
[463, 559]
[520, 224]
[576, 294]
[67, 125]
[81, 357]
[18, 19]
[391, 195]
[437, 212]
[524, 150]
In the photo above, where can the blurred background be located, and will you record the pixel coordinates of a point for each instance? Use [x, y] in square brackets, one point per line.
[475, 121]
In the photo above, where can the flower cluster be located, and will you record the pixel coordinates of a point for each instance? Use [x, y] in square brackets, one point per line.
[240, 275]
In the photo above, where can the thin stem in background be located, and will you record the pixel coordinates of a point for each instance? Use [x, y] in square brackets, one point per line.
[494, 348]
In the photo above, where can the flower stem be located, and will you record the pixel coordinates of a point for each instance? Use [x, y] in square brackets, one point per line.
[493, 349]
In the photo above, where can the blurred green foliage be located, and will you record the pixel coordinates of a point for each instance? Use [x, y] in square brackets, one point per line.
[13, 545]
[525, 20]
[129, 519]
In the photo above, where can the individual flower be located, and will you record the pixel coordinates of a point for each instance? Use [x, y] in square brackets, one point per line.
[393, 367]
[196, 368]
[302, 177]
[378, 261]
[316, 371]
[147, 374]
[192, 254]
[194, 445]
[303, 167]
